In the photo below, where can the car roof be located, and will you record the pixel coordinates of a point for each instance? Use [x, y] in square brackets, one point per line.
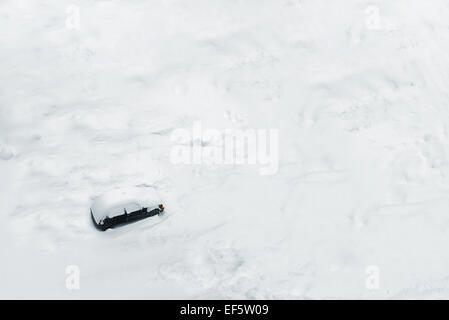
[115, 202]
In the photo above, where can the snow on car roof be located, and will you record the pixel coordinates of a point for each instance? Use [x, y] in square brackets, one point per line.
[115, 202]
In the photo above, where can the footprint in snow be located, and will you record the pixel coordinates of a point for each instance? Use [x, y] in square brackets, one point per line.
[6, 152]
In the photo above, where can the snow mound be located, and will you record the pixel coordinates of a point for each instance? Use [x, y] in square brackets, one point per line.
[115, 202]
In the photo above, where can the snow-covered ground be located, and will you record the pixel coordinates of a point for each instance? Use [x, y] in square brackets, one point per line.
[92, 91]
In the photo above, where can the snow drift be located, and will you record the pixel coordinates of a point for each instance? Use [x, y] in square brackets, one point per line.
[91, 92]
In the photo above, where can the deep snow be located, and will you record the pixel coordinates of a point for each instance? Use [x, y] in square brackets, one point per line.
[357, 90]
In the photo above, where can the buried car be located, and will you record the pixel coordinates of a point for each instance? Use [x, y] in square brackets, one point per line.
[123, 206]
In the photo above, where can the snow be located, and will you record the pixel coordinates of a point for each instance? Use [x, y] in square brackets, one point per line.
[115, 202]
[92, 91]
